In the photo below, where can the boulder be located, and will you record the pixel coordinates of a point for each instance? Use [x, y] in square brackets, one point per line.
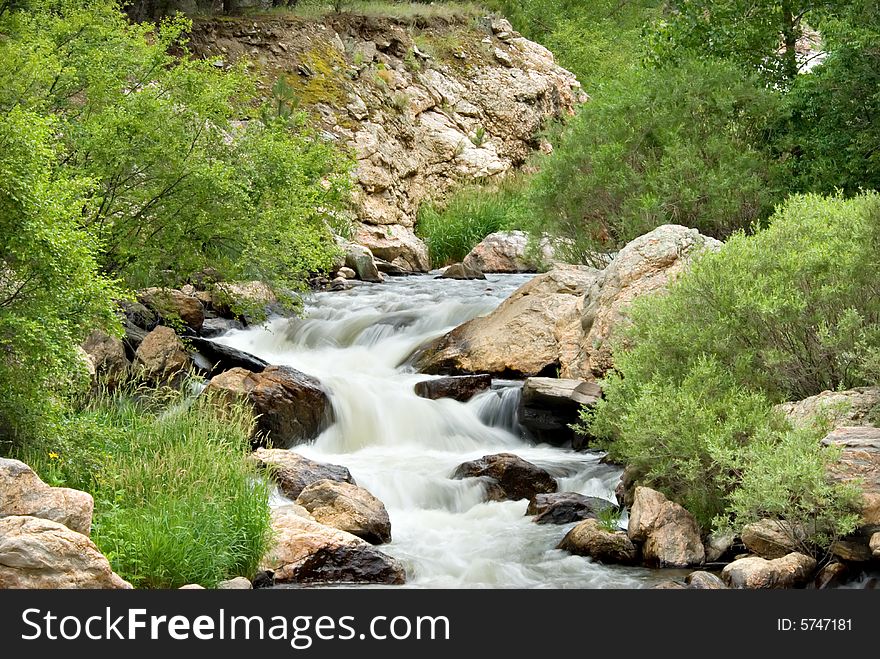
[162, 355]
[859, 461]
[507, 477]
[305, 551]
[462, 271]
[360, 259]
[396, 244]
[347, 507]
[138, 315]
[172, 304]
[107, 354]
[528, 334]
[238, 583]
[589, 539]
[566, 507]
[670, 533]
[717, 546]
[217, 357]
[398, 269]
[291, 407]
[191, 586]
[214, 327]
[39, 553]
[831, 576]
[771, 538]
[643, 266]
[625, 492]
[874, 544]
[459, 387]
[549, 406]
[704, 581]
[504, 251]
[346, 273]
[250, 297]
[755, 572]
[293, 472]
[853, 407]
[852, 550]
[22, 492]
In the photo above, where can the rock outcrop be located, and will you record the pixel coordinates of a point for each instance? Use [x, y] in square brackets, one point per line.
[645, 265]
[293, 472]
[22, 492]
[39, 553]
[549, 406]
[754, 572]
[347, 507]
[291, 407]
[853, 407]
[426, 106]
[305, 551]
[859, 459]
[589, 539]
[528, 334]
[458, 387]
[670, 533]
[507, 477]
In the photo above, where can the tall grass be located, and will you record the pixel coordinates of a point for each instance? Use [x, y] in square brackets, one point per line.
[470, 215]
[176, 500]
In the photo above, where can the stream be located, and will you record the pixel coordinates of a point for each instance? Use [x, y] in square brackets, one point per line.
[403, 448]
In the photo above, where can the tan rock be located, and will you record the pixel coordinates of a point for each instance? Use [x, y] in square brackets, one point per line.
[395, 242]
[107, 354]
[162, 355]
[853, 407]
[645, 265]
[171, 303]
[504, 251]
[306, 551]
[755, 572]
[670, 533]
[291, 407]
[588, 538]
[772, 538]
[852, 550]
[347, 507]
[22, 492]
[238, 583]
[874, 544]
[859, 461]
[242, 294]
[526, 335]
[704, 581]
[294, 473]
[38, 553]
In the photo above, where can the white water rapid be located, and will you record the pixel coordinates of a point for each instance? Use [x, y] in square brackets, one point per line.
[403, 448]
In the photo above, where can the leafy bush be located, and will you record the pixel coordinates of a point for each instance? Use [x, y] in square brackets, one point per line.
[176, 499]
[674, 145]
[785, 313]
[471, 214]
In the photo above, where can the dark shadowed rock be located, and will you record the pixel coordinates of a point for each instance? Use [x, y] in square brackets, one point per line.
[771, 538]
[508, 477]
[459, 387]
[139, 315]
[831, 576]
[852, 550]
[172, 304]
[213, 327]
[390, 269]
[291, 406]
[549, 406]
[566, 507]
[293, 472]
[589, 539]
[223, 358]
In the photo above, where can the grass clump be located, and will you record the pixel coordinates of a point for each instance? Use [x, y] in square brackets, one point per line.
[176, 499]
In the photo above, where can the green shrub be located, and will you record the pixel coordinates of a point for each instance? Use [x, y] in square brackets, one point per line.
[176, 499]
[674, 145]
[470, 215]
[785, 313]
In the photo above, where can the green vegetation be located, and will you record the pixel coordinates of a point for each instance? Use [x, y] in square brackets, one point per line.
[786, 313]
[471, 215]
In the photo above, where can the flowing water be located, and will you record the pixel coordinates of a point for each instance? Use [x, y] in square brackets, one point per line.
[402, 448]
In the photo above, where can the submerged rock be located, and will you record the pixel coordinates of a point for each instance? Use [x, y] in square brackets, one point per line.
[507, 477]
[291, 407]
[589, 538]
[293, 472]
[566, 507]
[39, 553]
[347, 507]
[458, 387]
[462, 271]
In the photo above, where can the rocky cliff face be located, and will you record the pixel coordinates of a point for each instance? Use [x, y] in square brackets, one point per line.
[425, 106]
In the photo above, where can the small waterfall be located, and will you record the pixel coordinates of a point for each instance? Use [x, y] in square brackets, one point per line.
[403, 448]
